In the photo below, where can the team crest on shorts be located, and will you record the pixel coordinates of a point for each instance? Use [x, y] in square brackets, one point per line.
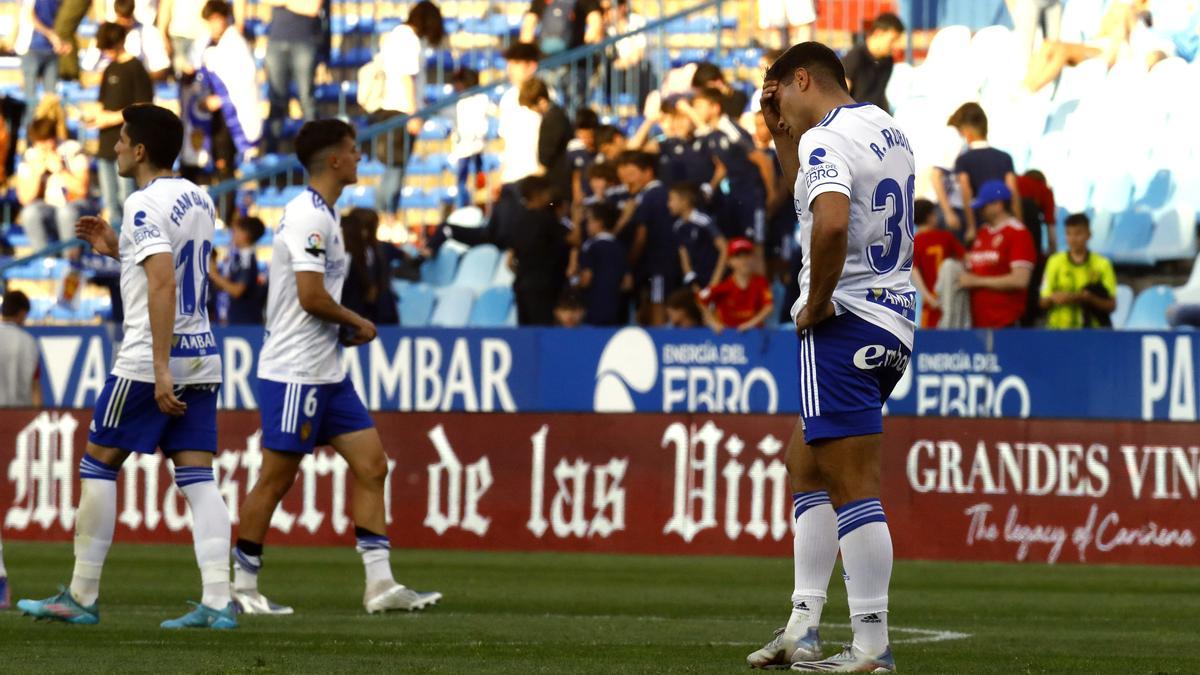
[305, 431]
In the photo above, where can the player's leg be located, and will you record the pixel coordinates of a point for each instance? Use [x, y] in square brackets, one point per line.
[4, 590]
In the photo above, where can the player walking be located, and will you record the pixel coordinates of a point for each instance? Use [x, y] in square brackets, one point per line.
[853, 174]
[162, 392]
[305, 396]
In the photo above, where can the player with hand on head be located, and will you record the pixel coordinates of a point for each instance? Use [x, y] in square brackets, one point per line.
[853, 173]
[305, 396]
[162, 392]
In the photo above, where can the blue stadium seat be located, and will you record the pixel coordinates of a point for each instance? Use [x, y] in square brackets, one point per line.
[416, 305]
[492, 308]
[1174, 234]
[357, 197]
[1149, 310]
[1154, 191]
[478, 267]
[1120, 315]
[440, 270]
[1131, 234]
[453, 307]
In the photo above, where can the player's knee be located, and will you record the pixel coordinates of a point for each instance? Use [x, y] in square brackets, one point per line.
[373, 471]
[276, 484]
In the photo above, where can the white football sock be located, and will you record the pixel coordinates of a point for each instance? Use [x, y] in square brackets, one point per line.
[210, 532]
[815, 549]
[376, 556]
[245, 571]
[867, 558]
[95, 520]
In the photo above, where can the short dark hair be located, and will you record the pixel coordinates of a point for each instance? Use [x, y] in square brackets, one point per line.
[712, 94]
[15, 302]
[1078, 220]
[425, 19]
[887, 21]
[605, 170]
[706, 73]
[523, 51]
[922, 209]
[570, 299]
[532, 186]
[110, 36]
[217, 8]
[156, 128]
[684, 299]
[586, 118]
[970, 114]
[533, 92]
[467, 78]
[123, 8]
[605, 213]
[42, 129]
[641, 159]
[820, 61]
[1035, 174]
[319, 135]
[607, 133]
[686, 190]
[252, 226]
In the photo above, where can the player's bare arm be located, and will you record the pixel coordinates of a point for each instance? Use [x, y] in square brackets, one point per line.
[831, 223]
[99, 235]
[160, 284]
[310, 289]
[787, 147]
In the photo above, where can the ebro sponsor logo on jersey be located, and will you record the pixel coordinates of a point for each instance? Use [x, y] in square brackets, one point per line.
[820, 170]
[141, 232]
[689, 376]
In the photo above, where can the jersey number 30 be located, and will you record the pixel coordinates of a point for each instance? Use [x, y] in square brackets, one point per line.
[883, 257]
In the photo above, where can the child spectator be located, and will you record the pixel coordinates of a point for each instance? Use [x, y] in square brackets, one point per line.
[681, 156]
[569, 311]
[518, 125]
[701, 245]
[554, 134]
[931, 246]
[647, 228]
[869, 65]
[581, 153]
[743, 301]
[1079, 288]
[981, 163]
[604, 269]
[240, 282]
[537, 253]
[470, 134]
[605, 186]
[1038, 210]
[610, 143]
[1000, 262]
[683, 310]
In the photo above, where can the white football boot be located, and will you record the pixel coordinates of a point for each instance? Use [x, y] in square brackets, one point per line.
[249, 601]
[397, 597]
[785, 649]
[851, 660]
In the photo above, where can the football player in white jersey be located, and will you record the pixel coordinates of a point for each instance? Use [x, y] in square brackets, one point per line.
[162, 392]
[305, 396]
[853, 173]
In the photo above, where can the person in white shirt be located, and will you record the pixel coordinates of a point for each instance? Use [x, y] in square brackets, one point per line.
[52, 182]
[518, 125]
[305, 396]
[21, 382]
[141, 42]
[162, 393]
[470, 133]
[228, 77]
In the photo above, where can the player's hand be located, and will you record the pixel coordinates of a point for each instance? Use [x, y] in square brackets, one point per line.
[811, 316]
[97, 233]
[364, 332]
[769, 102]
[164, 395]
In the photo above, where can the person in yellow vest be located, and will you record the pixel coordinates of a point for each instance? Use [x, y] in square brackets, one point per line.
[1079, 288]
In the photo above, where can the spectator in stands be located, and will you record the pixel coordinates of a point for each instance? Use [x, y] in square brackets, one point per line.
[569, 311]
[1079, 287]
[368, 287]
[537, 253]
[980, 163]
[610, 143]
[21, 376]
[1038, 210]
[52, 182]
[683, 311]
[748, 172]
[559, 25]
[604, 269]
[931, 246]
[702, 247]
[869, 64]
[1030, 15]
[778, 18]
[518, 125]
[124, 83]
[743, 300]
[630, 72]
[403, 57]
[999, 263]
[141, 43]
[294, 38]
[554, 135]
[239, 282]
[228, 76]
[782, 222]
[470, 134]
[606, 186]
[709, 76]
[67, 19]
[182, 28]
[681, 156]
[647, 230]
[40, 48]
[581, 153]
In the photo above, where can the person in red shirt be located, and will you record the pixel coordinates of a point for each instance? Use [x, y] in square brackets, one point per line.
[931, 247]
[1000, 262]
[1038, 209]
[743, 300]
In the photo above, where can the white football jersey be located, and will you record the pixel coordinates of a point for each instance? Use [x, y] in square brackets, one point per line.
[299, 348]
[173, 216]
[859, 151]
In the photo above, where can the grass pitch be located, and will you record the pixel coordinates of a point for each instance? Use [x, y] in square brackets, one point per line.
[553, 613]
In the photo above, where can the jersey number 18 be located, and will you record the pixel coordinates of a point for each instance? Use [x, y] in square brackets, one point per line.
[193, 300]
